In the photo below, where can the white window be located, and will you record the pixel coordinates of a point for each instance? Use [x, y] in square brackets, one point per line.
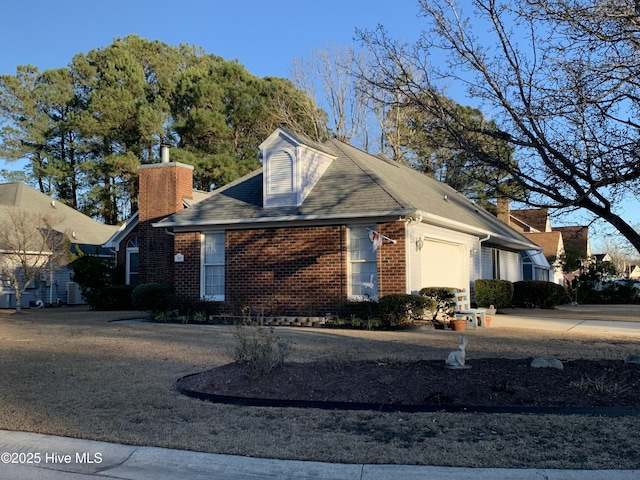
[132, 261]
[363, 265]
[495, 264]
[212, 287]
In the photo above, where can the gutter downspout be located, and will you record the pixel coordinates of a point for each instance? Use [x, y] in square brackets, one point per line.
[480, 242]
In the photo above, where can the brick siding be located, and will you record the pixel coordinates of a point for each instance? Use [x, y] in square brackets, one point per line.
[163, 186]
[289, 271]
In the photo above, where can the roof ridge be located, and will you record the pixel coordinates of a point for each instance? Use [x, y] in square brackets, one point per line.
[402, 202]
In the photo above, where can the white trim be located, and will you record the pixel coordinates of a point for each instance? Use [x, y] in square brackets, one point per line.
[282, 178]
[214, 298]
[375, 278]
[125, 229]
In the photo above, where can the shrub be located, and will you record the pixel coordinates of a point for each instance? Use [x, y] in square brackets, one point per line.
[443, 298]
[608, 292]
[498, 293]
[363, 311]
[95, 275]
[538, 294]
[118, 297]
[258, 349]
[157, 297]
[400, 308]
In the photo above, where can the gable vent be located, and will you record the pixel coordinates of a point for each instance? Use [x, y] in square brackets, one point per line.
[280, 173]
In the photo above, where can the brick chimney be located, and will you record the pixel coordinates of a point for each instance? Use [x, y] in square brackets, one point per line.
[504, 210]
[162, 188]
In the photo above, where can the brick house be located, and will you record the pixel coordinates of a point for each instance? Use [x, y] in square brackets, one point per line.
[318, 224]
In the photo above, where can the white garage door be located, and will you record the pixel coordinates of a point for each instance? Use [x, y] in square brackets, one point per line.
[444, 264]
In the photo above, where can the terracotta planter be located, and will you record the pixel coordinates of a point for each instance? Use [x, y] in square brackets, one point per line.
[458, 325]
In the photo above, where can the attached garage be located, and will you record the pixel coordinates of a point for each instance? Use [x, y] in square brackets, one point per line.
[444, 264]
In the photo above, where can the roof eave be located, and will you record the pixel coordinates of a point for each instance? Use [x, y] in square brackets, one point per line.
[512, 242]
[284, 219]
[123, 231]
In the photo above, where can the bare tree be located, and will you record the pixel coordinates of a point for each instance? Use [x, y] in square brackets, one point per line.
[557, 79]
[327, 76]
[29, 247]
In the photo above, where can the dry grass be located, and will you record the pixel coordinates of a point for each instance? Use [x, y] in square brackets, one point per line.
[72, 372]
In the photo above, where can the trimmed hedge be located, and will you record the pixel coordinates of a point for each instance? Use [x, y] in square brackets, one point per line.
[538, 294]
[498, 293]
[157, 297]
[400, 308]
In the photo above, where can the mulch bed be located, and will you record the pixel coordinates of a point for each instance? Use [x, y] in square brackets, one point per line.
[489, 382]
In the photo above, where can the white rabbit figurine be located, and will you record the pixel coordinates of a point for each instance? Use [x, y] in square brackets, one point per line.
[456, 358]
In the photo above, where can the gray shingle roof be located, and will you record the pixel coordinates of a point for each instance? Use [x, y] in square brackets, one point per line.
[355, 185]
[80, 228]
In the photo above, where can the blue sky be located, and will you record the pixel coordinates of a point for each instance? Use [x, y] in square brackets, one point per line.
[265, 36]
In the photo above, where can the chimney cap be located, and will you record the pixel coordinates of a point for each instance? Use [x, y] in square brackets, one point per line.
[164, 153]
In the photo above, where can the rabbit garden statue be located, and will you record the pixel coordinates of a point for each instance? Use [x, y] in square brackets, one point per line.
[456, 358]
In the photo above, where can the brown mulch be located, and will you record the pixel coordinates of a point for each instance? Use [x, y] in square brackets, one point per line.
[489, 382]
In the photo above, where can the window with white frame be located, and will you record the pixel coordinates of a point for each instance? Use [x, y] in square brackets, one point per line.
[132, 261]
[495, 264]
[213, 266]
[363, 265]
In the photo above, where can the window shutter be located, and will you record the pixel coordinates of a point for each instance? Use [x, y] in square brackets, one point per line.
[280, 173]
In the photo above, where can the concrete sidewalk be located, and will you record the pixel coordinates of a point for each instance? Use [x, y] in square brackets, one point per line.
[58, 458]
[593, 327]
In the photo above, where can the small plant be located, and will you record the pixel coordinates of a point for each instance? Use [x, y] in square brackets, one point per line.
[199, 317]
[602, 384]
[259, 349]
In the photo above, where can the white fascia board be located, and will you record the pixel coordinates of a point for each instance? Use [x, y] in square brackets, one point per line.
[123, 231]
[480, 232]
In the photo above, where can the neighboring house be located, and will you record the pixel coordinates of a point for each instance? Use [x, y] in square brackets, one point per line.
[556, 242]
[83, 232]
[602, 257]
[634, 272]
[318, 224]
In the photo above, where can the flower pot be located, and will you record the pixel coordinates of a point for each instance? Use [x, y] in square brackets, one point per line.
[458, 325]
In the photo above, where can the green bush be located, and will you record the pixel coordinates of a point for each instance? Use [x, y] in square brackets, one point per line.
[96, 275]
[156, 297]
[351, 310]
[608, 293]
[398, 309]
[498, 293]
[538, 294]
[442, 296]
[118, 297]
